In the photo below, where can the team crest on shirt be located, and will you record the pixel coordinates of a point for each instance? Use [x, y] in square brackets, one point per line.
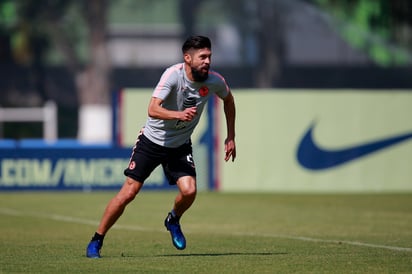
[203, 91]
[132, 165]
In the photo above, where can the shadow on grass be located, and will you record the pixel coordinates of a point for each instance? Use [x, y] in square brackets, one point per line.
[224, 254]
[214, 254]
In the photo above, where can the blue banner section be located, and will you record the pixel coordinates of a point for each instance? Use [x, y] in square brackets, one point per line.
[86, 168]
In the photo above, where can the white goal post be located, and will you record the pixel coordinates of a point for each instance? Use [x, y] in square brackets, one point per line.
[46, 114]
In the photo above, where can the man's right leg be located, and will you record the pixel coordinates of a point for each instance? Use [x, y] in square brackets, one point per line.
[112, 213]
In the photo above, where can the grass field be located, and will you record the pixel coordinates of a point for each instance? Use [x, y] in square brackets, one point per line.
[226, 233]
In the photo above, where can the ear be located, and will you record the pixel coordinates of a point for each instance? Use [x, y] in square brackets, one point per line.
[187, 58]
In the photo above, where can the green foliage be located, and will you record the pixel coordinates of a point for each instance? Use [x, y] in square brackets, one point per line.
[367, 25]
[8, 16]
[226, 233]
[144, 12]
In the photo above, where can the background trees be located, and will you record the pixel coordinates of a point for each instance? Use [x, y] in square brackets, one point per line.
[68, 25]
[76, 34]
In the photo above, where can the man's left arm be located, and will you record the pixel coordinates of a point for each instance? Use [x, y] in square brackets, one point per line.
[230, 113]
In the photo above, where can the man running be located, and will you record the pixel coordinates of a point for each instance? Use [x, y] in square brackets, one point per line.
[174, 111]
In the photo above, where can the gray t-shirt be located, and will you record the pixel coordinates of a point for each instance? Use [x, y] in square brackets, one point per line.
[178, 93]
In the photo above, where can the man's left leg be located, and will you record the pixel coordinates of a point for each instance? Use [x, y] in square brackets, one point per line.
[183, 201]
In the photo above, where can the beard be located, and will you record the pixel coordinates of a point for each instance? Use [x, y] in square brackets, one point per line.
[198, 75]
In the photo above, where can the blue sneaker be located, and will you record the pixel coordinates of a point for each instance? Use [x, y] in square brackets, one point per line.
[93, 249]
[172, 225]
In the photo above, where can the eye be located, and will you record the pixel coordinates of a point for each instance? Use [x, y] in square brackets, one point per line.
[205, 56]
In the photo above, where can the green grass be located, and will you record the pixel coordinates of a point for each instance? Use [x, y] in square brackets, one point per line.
[226, 233]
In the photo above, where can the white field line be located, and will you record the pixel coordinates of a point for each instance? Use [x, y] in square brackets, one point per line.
[309, 239]
[69, 219]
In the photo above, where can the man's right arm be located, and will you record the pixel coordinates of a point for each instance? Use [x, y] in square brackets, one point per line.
[156, 110]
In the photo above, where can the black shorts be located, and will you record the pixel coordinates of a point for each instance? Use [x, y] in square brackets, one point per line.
[146, 156]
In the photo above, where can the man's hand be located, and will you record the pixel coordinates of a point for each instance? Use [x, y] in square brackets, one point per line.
[230, 149]
[188, 114]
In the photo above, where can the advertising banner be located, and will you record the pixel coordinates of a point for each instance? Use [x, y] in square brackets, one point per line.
[66, 169]
[287, 141]
[321, 141]
[69, 165]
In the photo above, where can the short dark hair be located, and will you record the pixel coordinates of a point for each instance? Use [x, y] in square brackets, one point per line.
[196, 42]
